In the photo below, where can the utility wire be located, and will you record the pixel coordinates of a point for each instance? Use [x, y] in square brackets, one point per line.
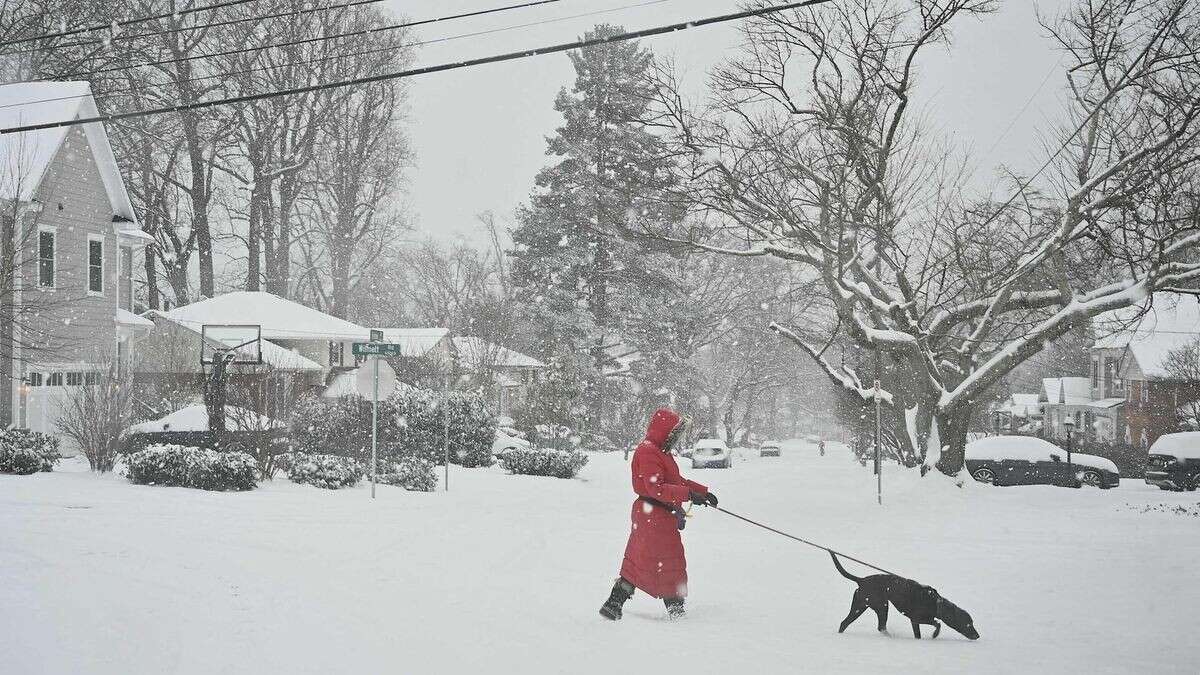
[450, 38]
[319, 38]
[427, 70]
[126, 22]
[202, 26]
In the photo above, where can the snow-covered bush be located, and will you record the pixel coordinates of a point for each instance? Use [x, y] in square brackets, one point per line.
[325, 471]
[24, 452]
[200, 468]
[415, 474]
[544, 462]
[412, 422]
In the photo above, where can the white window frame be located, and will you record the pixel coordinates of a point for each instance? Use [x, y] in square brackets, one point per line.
[87, 260]
[52, 231]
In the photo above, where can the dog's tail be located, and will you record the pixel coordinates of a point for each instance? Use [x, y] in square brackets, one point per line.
[842, 570]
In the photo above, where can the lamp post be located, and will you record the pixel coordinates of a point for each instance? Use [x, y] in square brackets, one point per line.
[1069, 424]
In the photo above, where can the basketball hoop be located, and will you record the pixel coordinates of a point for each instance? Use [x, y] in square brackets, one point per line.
[233, 343]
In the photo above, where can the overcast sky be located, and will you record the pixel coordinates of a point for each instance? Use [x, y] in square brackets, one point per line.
[479, 133]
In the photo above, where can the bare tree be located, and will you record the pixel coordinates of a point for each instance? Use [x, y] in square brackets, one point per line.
[808, 154]
[96, 416]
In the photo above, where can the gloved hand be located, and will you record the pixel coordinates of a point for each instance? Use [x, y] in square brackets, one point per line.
[705, 499]
[710, 499]
[680, 518]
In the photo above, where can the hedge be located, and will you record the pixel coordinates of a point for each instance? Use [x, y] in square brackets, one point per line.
[24, 452]
[199, 468]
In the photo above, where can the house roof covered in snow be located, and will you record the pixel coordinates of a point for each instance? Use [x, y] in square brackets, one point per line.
[477, 352]
[1023, 405]
[1166, 322]
[1067, 390]
[281, 319]
[25, 156]
[273, 355]
[415, 342]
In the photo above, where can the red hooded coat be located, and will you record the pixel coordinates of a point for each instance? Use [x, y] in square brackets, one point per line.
[654, 559]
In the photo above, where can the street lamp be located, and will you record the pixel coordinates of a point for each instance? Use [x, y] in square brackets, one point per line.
[1069, 424]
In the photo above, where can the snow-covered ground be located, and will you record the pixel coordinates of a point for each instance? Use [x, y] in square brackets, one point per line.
[504, 574]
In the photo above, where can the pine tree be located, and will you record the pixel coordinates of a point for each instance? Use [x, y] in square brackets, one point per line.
[572, 265]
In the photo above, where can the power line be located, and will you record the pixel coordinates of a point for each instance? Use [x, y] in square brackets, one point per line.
[319, 38]
[127, 22]
[427, 70]
[202, 26]
[450, 38]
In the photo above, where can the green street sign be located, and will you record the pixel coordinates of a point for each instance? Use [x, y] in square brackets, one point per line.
[376, 349]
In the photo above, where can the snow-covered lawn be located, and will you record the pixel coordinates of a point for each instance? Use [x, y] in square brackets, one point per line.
[504, 574]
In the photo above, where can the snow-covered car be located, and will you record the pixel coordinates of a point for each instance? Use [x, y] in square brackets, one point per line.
[1026, 460]
[507, 439]
[711, 452]
[1174, 462]
[769, 449]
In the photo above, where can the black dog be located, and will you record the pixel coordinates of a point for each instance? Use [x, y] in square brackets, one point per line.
[921, 604]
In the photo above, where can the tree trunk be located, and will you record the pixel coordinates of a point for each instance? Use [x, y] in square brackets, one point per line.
[151, 279]
[952, 427]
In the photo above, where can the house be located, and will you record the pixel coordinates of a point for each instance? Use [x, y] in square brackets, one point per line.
[70, 242]
[506, 373]
[1064, 398]
[1136, 344]
[1022, 413]
[427, 355]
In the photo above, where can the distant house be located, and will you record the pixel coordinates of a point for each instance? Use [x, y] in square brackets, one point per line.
[1064, 398]
[70, 242]
[303, 349]
[1136, 352]
[1021, 413]
[427, 354]
[506, 373]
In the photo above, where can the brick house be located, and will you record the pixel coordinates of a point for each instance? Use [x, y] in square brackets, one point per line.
[1129, 362]
[70, 245]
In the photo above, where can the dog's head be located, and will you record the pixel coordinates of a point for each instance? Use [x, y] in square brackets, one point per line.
[957, 618]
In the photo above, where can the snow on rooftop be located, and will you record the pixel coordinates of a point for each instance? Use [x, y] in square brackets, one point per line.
[1067, 390]
[281, 319]
[195, 418]
[1169, 321]
[25, 156]
[273, 355]
[415, 342]
[477, 352]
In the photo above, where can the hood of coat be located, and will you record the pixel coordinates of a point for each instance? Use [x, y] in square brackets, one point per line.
[662, 423]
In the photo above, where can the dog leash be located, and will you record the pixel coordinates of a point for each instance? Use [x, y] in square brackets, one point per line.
[804, 541]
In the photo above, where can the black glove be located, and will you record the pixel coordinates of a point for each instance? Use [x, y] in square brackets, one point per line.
[710, 499]
[680, 518]
[706, 499]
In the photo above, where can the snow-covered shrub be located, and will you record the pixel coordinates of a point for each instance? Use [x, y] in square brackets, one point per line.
[415, 474]
[325, 471]
[412, 422]
[24, 452]
[200, 468]
[544, 462]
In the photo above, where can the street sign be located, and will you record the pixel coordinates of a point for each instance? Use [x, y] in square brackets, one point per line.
[376, 349]
[376, 335]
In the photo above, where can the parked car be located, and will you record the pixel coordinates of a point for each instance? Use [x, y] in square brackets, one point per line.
[710, 452]
[769, 449]
[1174, 462]
[1026, 460]
[507, 439]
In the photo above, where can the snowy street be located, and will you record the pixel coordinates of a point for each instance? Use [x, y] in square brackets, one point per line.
[115, 578]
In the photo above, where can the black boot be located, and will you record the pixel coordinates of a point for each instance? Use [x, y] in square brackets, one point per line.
[674, 607]
[622, 590]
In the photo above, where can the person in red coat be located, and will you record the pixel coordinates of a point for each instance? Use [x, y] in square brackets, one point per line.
[654, 560]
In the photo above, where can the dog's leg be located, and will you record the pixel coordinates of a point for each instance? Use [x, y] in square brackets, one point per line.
[937, 628]
[916, 629]
[881, 610]
[858, 605]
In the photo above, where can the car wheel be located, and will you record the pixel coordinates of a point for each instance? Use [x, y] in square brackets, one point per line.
[1091, 478]
[984, 475]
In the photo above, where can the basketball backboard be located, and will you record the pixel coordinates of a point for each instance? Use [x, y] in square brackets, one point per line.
[243, 340]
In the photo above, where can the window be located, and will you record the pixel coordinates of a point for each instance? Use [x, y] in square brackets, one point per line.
[335, 353]
[1095, 373]
[35, 379]
[55, 380]
[95, 253]
[1145, 392]
[74, 379]
[46, 258]
[91, 378]
[126, 285]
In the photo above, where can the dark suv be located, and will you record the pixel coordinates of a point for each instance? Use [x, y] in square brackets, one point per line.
[1174, 462]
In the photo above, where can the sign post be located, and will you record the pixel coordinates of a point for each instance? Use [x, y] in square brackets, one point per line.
[878, 455]
[375, 350]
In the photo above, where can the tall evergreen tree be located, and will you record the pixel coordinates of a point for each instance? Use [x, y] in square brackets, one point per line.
[572, 268]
